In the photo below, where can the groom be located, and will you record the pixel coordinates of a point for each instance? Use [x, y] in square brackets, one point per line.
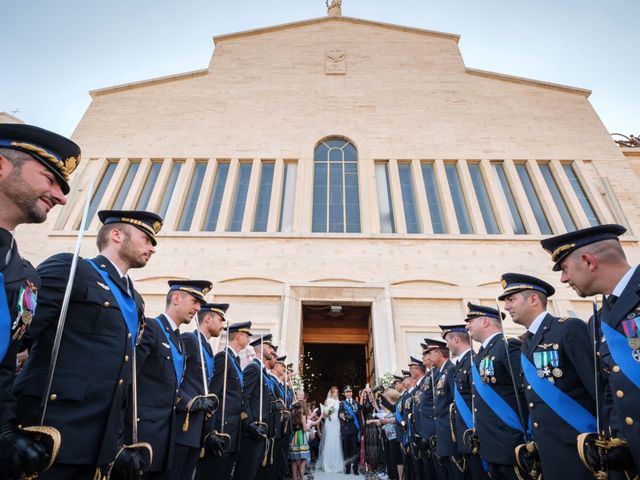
[350, 427]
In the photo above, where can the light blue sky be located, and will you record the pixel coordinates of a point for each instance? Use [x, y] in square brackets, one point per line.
[55, 51]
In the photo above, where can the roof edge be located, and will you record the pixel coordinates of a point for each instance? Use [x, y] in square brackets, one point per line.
[143, 83]
[529, 81]
[283, 26]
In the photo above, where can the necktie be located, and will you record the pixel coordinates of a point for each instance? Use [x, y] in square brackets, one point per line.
[126, 281]
[179, 345]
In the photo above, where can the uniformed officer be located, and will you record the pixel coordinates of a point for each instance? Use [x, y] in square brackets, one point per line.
[501, 419]
[161, 367]
[463, 415]
[413, 466]
[199, 368]
[592, 262]
[557, 363]
[35, 165]
[90, 387]
[222, 440]
[257, 400]
[281, 450]
[350, 413]
[446, 450]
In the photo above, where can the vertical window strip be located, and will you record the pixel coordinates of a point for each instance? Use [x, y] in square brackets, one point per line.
[288, 197]
[168, 191]
[408, 198]
[125, 187]
[264, 197]
[516, 220]
[433, 198]
[385, 204]
[149, 184]
[459, 204]
[240, 200]
[352, 197]
[211, 220]
[558, 199]
[479, 186]
[191, 202]
[99, 192]
[534, 201]
[569, 170]
[320, 196]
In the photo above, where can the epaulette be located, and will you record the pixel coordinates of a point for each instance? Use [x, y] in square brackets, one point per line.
[563, 319]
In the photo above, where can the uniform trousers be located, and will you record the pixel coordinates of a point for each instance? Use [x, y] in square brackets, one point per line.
[184, 462]
[249, 459]
[452, 472]
[502, 472]
[219, 467]
[350, 451]
[65, 471]
[474, 469]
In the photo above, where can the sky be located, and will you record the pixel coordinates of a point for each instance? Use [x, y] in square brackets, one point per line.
[55, 52]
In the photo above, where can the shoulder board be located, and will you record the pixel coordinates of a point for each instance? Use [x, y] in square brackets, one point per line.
[563, 319]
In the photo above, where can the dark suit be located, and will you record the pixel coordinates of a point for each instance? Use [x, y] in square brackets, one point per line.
[350, 433]
[556, 439]
[425, 426]
[158, 390]
[222, 467]
[92, 380]
[189, 442]
[446, 448]
[282, 433]
[621, 395]
[498, 440]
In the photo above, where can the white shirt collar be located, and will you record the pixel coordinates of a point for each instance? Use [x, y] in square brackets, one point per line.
[461, 356]
[116, 267]
[232, 350]
[171, 322]
[488, 339]
[535, 325]
[624, 281]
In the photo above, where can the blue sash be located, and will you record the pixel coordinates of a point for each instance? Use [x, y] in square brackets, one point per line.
[398, 415]
[463, 408]
[235, 365]
[268, 379]
[207, 358]
[127, 305]
[176, 356]
[279, 387]
[496, 403]
[620, 353]
[353, 415]
[5, 320]
[566, 407]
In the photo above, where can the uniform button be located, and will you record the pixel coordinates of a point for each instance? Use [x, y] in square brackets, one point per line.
[628, 421]
[475, 409]
[138, 419]
[128, 335]
[528, 387]
[619, 393]
[168, 357]
[615, 369]
[531, 405]
[106, 304]
[474, 395]
[120, 382]
[53, 396]
[126, 358]
[536, 424]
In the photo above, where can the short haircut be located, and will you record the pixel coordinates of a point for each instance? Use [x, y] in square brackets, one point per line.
[233, 335]
[462, 336]
[541, 296]
[607, 251]
[16, 157]
[104, 233]
[444, 352]
[170, 295]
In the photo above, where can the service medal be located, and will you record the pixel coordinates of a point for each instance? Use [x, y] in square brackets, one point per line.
[634, 343]
[557, 372]
[26, 317]
[540, 373]
[493, 380]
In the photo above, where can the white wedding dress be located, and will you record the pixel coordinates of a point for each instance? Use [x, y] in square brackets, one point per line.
[330, 459]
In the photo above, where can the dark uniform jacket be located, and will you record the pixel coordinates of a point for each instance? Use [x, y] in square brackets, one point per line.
[621, 395]
[556, 439]
[158, 390]
[251, 395]
[443, 379]
[231, 399]
[462, 383]
[350, 426]
[497, 439]
[191, 387]
[92, 379]
[18, 274]
[424, 425]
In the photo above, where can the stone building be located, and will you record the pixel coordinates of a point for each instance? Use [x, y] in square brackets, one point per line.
[347, 185]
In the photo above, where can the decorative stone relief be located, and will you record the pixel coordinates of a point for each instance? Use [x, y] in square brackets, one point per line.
[335, 61]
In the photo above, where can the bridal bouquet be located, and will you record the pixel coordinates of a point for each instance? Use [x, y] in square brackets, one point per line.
[330, 411]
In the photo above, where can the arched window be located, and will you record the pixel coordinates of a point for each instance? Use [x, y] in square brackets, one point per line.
[336, 199]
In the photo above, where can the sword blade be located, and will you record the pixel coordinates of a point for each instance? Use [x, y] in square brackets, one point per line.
[205, 384]
[224, 383]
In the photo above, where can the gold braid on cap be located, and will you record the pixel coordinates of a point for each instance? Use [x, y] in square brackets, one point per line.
[556, 253]
[65, 167]
[192, 291]
[134, 221]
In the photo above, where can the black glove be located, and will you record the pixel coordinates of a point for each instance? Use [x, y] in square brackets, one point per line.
[424, 446]
[204, 404]
[215, 444]
[127, 466]
[256, 431]
[20, 454]
[618, 457]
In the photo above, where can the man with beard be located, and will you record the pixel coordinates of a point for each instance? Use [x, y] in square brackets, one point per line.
[592, 262]
[281, 448]
[161, 367]
[92, 379]
[35, 165]
[350, 428]
[220, 452]
[193, 409]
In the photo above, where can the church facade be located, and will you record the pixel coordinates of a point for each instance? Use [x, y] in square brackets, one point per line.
[347, 182]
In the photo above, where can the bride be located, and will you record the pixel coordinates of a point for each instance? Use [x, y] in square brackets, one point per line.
[330, 458]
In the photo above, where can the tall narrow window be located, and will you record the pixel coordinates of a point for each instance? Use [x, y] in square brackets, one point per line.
[264, 197]
[433, 198]
[240, 200]
[534, 201]
[385, 205]
[192, 196]
[408, 198]
[336, 198]
[516, 220]
[459, 204]
[211, 220]
[581, 194]
[126, 185]
[288, 197]
[99, 192]
[558, 199]
[168, 191]
[149, 184]
[484, 202]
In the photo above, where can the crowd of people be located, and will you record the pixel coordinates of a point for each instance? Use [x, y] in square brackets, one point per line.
[94, 386]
